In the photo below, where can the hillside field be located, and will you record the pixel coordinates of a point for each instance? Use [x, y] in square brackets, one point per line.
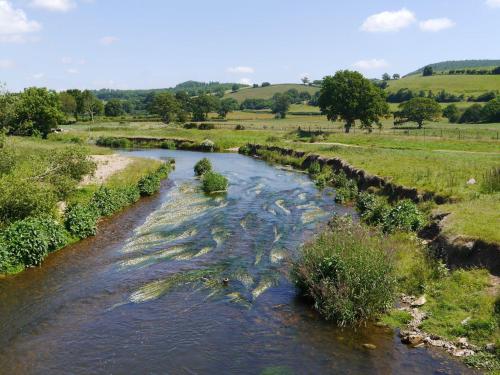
[456, 84]
[268, 91]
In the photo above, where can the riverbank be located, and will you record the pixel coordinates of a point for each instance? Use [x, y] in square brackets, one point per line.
[91, 187]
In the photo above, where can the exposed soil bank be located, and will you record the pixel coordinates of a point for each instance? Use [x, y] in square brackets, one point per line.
[456, 252]
[107, 165]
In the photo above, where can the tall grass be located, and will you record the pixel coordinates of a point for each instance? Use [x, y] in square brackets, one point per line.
[491, 181]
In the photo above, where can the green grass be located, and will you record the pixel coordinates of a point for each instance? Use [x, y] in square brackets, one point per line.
[456, 84]
[461, 295]
[268, 91]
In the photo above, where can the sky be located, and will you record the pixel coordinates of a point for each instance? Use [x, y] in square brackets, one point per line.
[129, 44]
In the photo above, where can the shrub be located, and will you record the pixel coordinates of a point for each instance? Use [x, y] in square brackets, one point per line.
[29, 241]
[81, 220]
[190, 125]
[214, 182]
[348, 273]
[314, 169]
[372, 209]
[150, 184]
[203, 166]
[206, 126]
[491, 181]
[404, 216]
[107, 201]
[207, 146]
[168, 145]
[114, 142]
[239, 127]
[473, 114]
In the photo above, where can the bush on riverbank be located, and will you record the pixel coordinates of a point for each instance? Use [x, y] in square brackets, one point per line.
[202, 166]
[214, 182]
[348, 272]
[81, 220]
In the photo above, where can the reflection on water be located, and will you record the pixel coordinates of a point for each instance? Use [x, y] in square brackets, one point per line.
[192, 284]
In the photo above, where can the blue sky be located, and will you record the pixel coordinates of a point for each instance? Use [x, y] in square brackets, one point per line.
[151, 43]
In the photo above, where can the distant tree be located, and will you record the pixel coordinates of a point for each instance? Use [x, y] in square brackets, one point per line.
[305, 80]
[386, 77]
[396, 76]
[419, 110]
[280, 104]
[113, 108]
[127, 106]
[491, 111]
[496, 70]
[91, 105]
[235, 87]
[452, 113]
[265, 84]
[428, 71]
[202, 105]
[184, 100]
[472, 115]
[255, 85]
[219, 92]
[349, 96]
[77, 95]
[68, 103]
[36, 111]
[304, 96]
[227, 105]
[166, 106]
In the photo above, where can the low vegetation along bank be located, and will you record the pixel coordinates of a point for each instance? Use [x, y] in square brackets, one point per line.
[354, 272]
[43, 207]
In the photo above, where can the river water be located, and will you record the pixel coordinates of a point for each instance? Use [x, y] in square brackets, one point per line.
[146, 295]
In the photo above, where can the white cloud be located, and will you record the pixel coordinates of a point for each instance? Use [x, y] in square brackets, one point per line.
[371, 64]
[108, 40]
[38, 76]
[493, 3]
[245, 81]
[54, 5]
[14, 24]
[6, 64]
[436, 24]
[241, 69]
[388, 21]
[72, 71]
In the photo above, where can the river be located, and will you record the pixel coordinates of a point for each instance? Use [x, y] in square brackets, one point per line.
[146, 295]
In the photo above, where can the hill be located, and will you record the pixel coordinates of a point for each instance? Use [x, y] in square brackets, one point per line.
[456, 84]
[268, 91]
[459, 64]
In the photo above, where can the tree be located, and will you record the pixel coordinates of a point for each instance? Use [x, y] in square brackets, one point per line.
[419, 110]
[280, 104]
[472, 115]
[219, 92]
[166, 106]
[36, 110]
[202, 105]
[491, 111]
[265, 84]
[428, 71]
[386, 77]
[68, 103]
[496, 70]
[91, 106]
[396, 76]
[349, 96]
[77, 95]
[305, 80]
[113, 108]
[227, 105]
[452, 113]
[235, 87]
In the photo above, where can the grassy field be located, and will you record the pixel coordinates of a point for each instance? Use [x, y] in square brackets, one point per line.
[268, 91]
[430, 163]
[457, 84]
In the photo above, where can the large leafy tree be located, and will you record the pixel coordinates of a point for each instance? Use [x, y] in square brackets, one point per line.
[280, 104]
[35, 111]
[227, 105]
[113, 108]
[68, 103]
[202, 105]
[90, 105]
[349, 96]
[166, 106]
[419, 110]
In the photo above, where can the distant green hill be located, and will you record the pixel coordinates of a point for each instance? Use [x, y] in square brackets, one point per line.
[456, 84]
[459, 64]
[268, 91]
